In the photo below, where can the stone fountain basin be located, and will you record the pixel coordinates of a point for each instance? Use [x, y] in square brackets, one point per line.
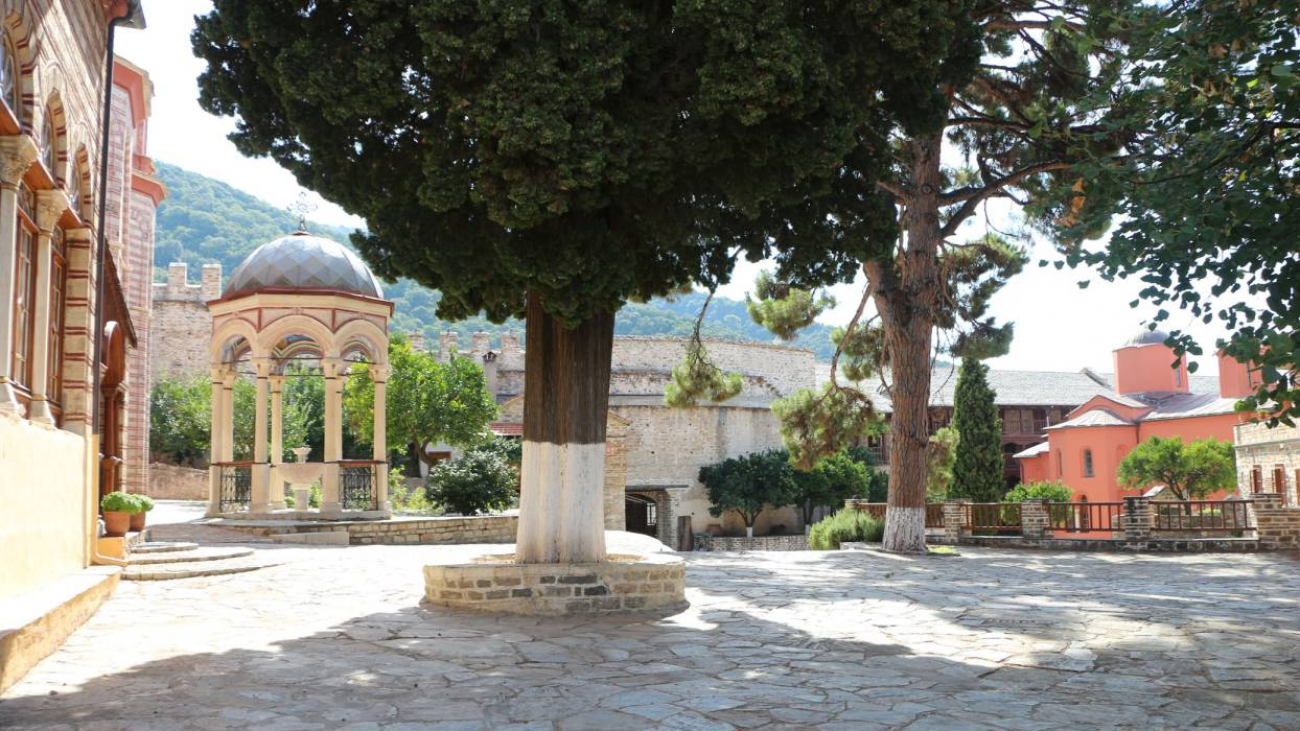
[495, 583]
[299, 473]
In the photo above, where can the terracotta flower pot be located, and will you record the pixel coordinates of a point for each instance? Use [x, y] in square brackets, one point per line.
[137, 521]
[116, 523]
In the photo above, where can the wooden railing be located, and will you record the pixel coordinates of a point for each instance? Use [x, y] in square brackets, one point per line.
[1194, 516]
[933, 512]
[1084, 517]
[997, 518]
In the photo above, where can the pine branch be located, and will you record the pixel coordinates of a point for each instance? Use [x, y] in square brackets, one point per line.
[971, 197]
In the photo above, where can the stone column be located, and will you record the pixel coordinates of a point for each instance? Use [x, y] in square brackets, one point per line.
[379, 374]
[334, 370]
[216, 440]
[954, 519]
[276, 450]
[1276, 526]
[263, 501]
[1035, 521]
[228, 416]
[50, 205]
[16, 155]
[1137, 519]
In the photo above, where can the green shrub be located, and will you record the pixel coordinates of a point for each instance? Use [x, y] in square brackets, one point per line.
[146, 502]
[846, 525]
[479, 481]
[1054, 491]
[121, 502]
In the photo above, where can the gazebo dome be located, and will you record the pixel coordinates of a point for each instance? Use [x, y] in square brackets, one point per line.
[303, 261]
[1146, 337]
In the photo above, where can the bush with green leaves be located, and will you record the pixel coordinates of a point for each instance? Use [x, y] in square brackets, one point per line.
[748, 484]
[835, 479]
[847, 525]
[877, 479]
[146, 503]
[121, 502]
[1055, 491]
[478, 481]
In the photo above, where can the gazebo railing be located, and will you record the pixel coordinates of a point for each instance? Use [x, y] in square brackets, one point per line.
[236, 479]
[358, 484]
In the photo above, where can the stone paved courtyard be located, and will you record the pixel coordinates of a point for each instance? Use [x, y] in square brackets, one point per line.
[335, 638]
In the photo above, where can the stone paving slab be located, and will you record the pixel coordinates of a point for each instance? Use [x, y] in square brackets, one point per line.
[335, 638]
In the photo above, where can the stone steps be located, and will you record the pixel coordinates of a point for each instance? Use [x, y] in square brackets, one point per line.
[164, 572]
[193, 555]
[161, 561]
[319, 538]
[164, 547]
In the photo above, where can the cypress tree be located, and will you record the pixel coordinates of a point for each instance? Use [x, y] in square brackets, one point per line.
[977, 470]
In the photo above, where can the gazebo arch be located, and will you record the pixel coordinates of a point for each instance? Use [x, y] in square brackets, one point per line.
[297, 297]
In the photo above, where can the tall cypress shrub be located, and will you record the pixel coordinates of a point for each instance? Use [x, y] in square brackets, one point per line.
[977, 470]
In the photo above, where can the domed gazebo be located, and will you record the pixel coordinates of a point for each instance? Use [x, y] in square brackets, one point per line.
[297, 298]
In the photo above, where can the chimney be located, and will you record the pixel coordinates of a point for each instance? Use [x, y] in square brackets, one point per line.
[1235, 378]
[177, 277]
[416, 338]
[480, 343]
[490, 372]
[509, 342]
[450, 352]
[211, 287]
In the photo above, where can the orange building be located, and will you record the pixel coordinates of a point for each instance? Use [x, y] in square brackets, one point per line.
[1152, 398]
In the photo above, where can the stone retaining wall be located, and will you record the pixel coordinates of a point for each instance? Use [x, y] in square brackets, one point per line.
[655, 581]
[170, 482]
[706, 542]
[395, 531]
[1278, 527]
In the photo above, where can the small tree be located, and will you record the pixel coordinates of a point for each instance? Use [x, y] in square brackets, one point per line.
[1054, 491]
[479, 481]
[1190, 471]
[834, 479]
[977, 464]
[180, 419]
[941, 453]
[877, 479]
[428, 402]
[748, 484]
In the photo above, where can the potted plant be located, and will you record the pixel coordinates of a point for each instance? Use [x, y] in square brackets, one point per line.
[137, 519]
[118, 508]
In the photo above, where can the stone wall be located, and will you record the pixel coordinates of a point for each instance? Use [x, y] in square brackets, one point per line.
[1258, 445]
[706, 542]
[1278, 527]
[657, 581]
[400, 531]
[171, 482]
[181, 320]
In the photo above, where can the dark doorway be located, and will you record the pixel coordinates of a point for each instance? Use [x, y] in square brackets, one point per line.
[642, 515]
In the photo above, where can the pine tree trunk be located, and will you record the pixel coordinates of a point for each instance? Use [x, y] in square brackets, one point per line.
[906, 293]
[566, 401]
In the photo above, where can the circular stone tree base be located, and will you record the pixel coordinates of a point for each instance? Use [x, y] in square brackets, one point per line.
[495, 583]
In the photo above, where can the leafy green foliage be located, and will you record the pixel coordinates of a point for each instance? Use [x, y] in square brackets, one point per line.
[1209, 181]
[835, 479]
[1190, 471]
[977, 465]
[121, 502]
[479, 481]
[590, 153]
[427, 402]
[845, 526]
[180, 419]
[941, 459]
[877, 479]
[696, 378]
[1055, 491]
[748, 484]
[972, 274]
[816, 424]
[782, 309]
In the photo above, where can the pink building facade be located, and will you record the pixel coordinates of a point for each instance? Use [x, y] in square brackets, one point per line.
[1152, 397]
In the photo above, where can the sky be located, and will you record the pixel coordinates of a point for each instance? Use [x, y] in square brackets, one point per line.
[1059, 326]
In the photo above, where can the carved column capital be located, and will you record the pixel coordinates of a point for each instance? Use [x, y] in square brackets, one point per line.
[380, 373]
[50, 206]
[17, 153]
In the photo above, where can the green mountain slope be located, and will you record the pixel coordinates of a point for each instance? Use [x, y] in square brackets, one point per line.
[204, 220]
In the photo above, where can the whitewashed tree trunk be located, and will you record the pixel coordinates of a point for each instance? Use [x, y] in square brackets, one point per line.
[566, 402]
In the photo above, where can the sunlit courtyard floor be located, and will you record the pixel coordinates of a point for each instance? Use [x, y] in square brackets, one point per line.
[335, 638]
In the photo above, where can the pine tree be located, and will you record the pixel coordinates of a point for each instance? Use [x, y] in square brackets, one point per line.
[977, 470]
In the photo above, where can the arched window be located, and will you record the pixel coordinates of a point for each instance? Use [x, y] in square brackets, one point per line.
[1087, 463]
[9, 75]
[74, 188]
[49, 151]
